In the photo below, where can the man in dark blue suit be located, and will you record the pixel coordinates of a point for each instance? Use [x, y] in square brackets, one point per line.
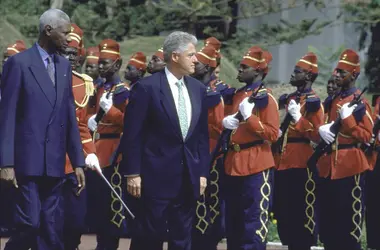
[165, 148]
[38, 129]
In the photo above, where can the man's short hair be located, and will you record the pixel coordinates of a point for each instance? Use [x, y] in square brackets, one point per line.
[54, 18]
[177, 41]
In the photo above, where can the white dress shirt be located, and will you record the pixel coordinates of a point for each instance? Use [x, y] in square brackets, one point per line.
[173, 87]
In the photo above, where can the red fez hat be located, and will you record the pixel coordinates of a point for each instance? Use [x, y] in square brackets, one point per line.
[138, 60]
[109, 49]
[16, 47]
[213, 42]
[255, 58]
[268, 59]
[92, 55]
[76, 35]
[349, 60]
[309, 62]
[160, 53]
[207, 56]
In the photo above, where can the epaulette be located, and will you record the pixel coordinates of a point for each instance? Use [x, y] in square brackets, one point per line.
[228, 95]
[120, 94]
[313, 103]
[359, 112]
[261, 99]
[282, 101]
[88, 81]
[220, 86]
[213, 98]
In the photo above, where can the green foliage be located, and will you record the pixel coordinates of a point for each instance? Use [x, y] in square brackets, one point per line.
[327, 58]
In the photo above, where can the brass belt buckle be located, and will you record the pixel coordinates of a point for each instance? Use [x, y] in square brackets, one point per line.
[333, 147]
[236, 147]
[97, 136]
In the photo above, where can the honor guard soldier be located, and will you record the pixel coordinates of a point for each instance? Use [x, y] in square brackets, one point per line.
[156, 63]
[294, 192]
[74, 200]
[249, 160]
[5, 192]
[372, 215]
[92, 66]
[342, 169]
[136, 68]
[113, 97]
[209, 222]
[216, 44]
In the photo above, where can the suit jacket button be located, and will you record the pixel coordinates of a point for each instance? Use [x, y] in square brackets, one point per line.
[62, 125]
[47, 140]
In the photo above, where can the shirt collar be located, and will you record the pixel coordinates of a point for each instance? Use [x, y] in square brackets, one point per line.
[348, 92]
[43, 53]
[172, 80]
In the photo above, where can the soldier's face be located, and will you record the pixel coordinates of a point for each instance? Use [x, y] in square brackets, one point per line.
[92, 70]
[342, 77]
[59, 36]
[247, 74]
[332, 87]
[132, 74]
[298, 77]
[200, 70]
[155, 64]
[71, 54]
[217, 72]
[107, 68]
[186, 60]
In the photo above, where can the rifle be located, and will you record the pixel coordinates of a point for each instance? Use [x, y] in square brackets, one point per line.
[222, 144]
[277, 146]
[323, 147]
[99, 116]
[368, 149]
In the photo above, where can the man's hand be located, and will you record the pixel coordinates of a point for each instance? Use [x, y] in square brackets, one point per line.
[279, 134]
[346, 111]
[8, 175]
[91, 123]
[203, 182]
[326, 134]
[134, 186]
[81, 179]
[106, 103]
[230, 122]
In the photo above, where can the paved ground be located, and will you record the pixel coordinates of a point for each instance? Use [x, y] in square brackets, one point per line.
[89, 243]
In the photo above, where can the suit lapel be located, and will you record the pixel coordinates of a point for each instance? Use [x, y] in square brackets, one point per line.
[61, 80]
[167, 102]
[39, 72]
[193, 90]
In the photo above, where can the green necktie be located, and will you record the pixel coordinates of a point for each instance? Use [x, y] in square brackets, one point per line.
[182, 114]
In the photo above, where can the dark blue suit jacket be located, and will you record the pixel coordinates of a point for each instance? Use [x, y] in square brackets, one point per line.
[38, 123]
[152, 144]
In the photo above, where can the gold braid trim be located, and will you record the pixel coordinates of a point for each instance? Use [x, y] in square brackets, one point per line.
[357, 216]
[310, 201]
[202, 224]
[214, 213]
[116, 205]
[264, 215]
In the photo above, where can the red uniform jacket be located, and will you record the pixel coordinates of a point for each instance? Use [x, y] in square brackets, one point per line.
[262, 125]
[82, 90]
[295, 155]
[355, 129]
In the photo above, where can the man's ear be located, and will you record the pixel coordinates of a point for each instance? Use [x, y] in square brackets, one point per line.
[308, 76]
[118, 64]
[175, 57]
[47, 30]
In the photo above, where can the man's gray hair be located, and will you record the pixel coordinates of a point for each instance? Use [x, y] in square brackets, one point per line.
[54, 18]
[177, 41]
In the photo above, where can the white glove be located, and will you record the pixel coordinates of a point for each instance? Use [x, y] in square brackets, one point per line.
[106, 103]
[246, 108]
[230, 122]
[326, 134]
[91, 123]
[92, 162]
[279, 133]
[294, 109]
[346, 111]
